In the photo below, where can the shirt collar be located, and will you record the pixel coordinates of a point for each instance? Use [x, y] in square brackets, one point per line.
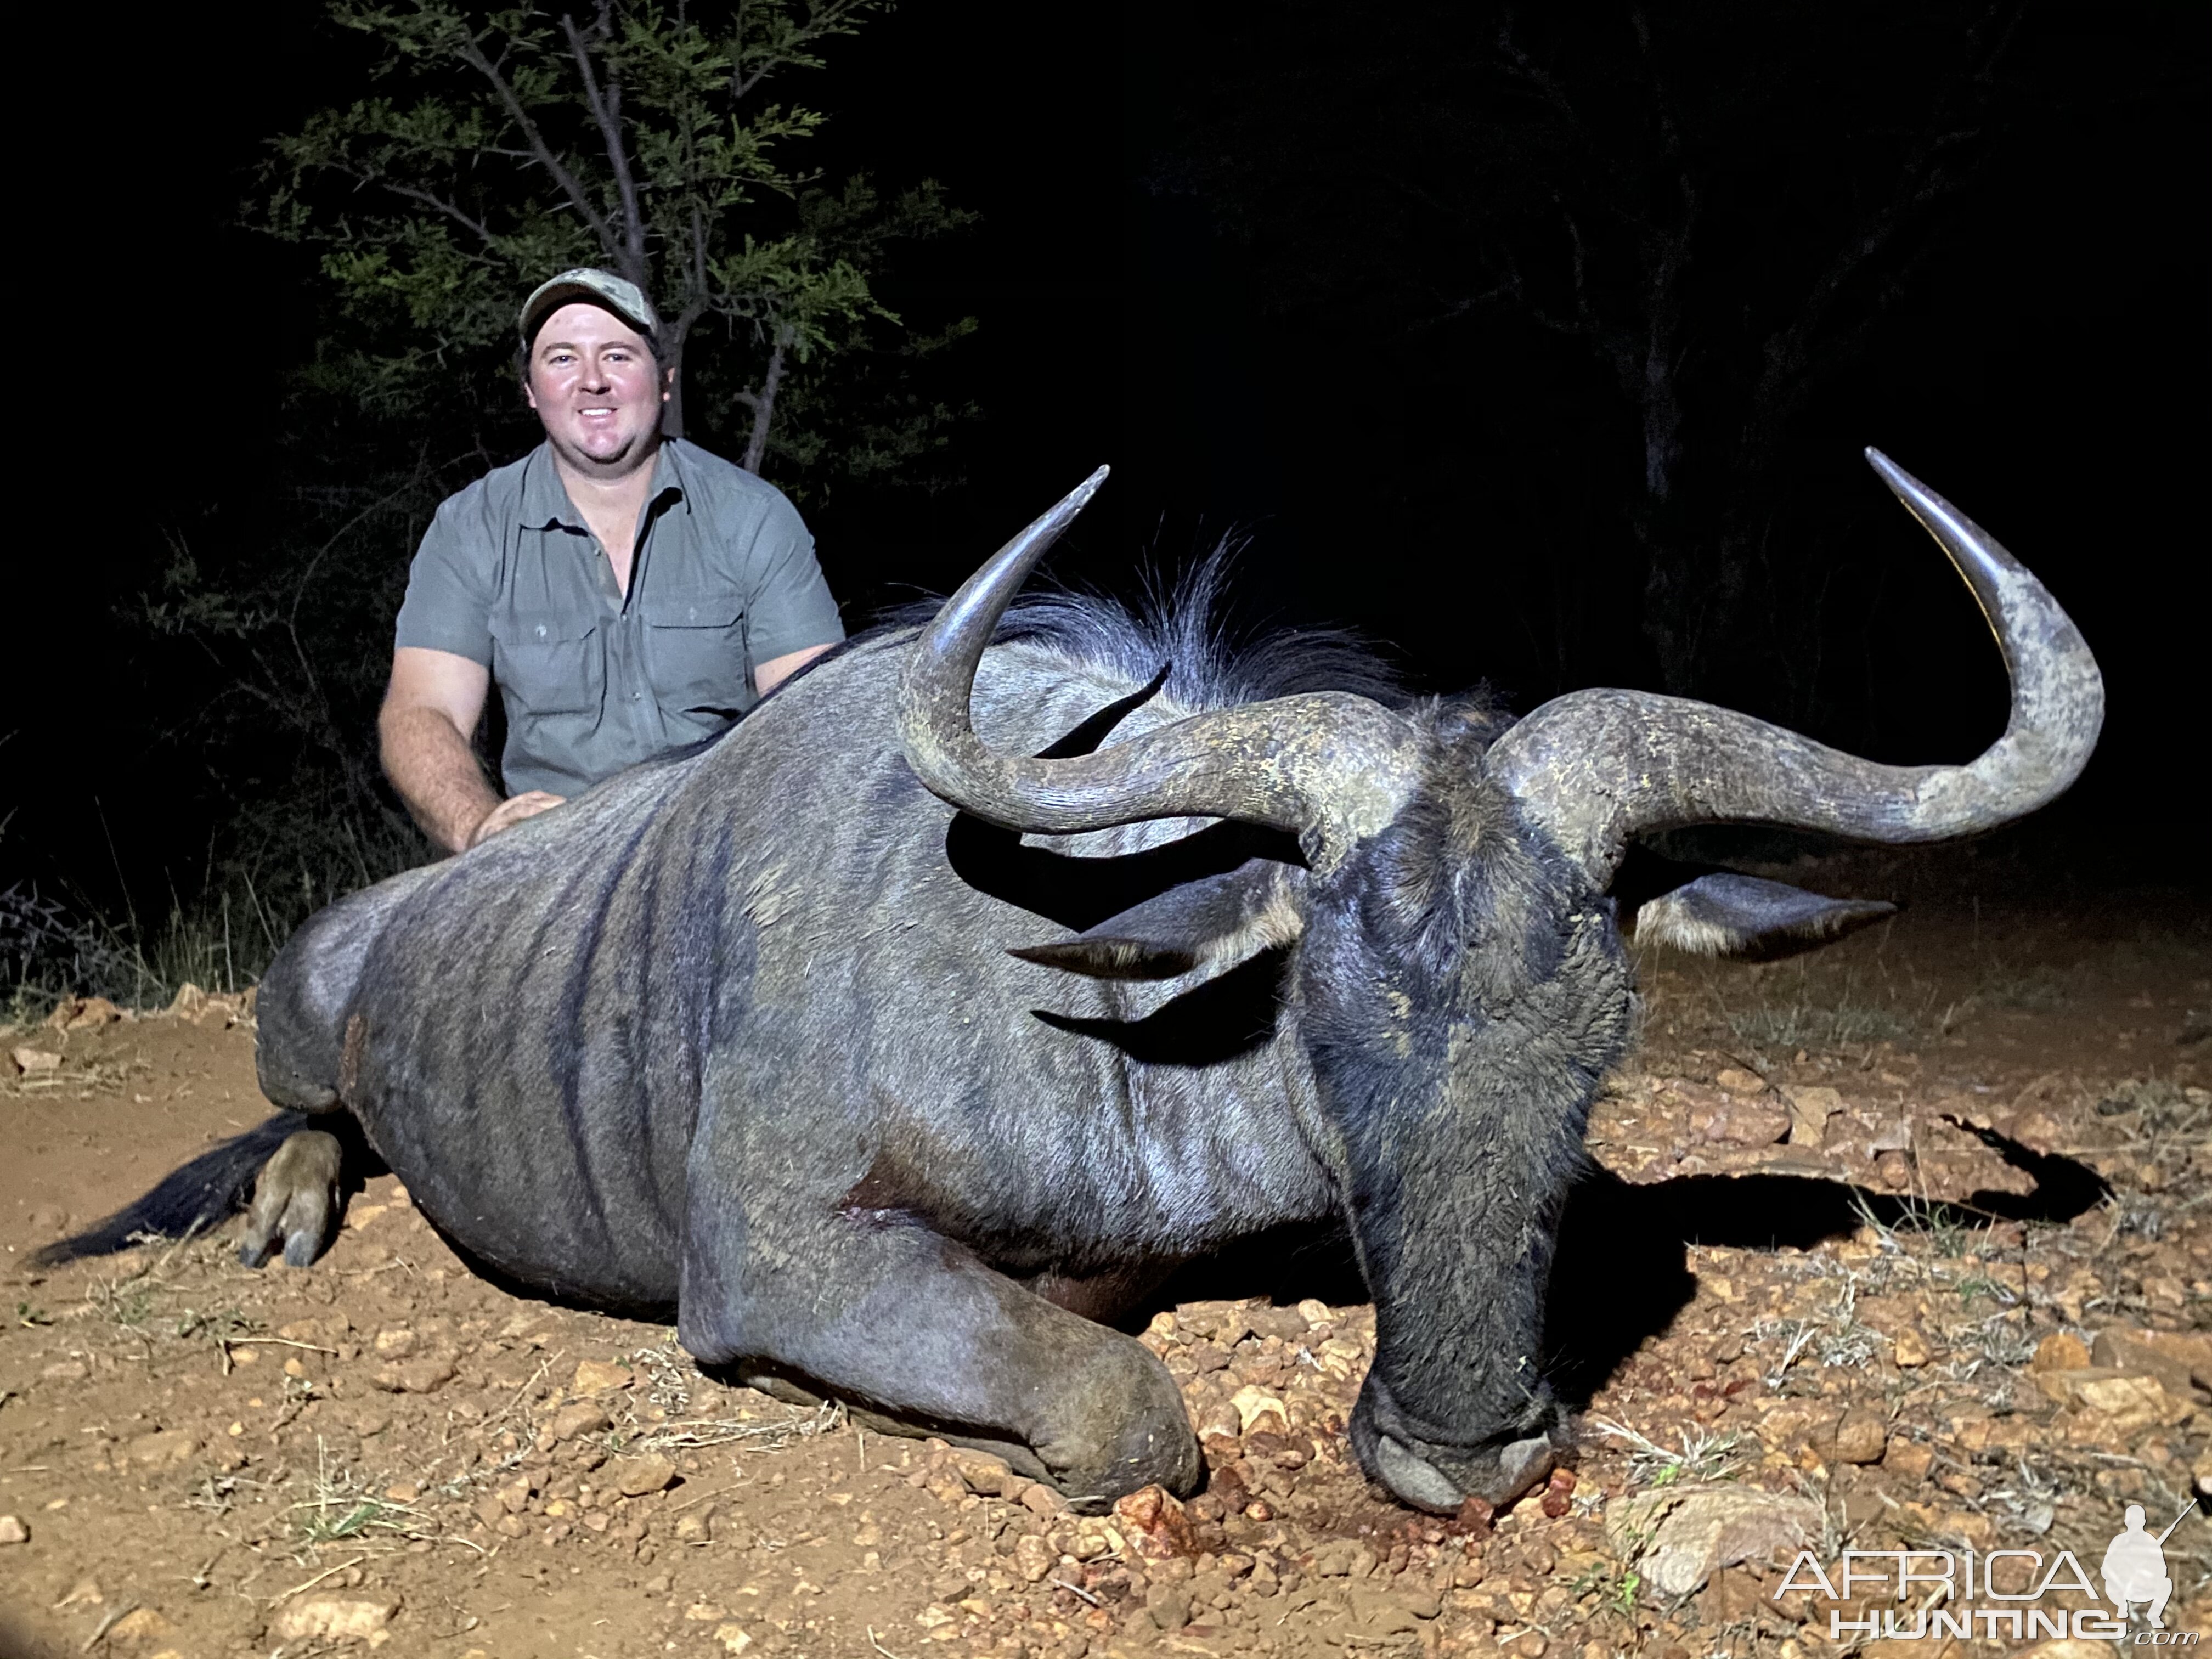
[546, 505]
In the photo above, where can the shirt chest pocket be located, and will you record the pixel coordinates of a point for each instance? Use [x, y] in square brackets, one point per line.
[695, 653]
[548, 664]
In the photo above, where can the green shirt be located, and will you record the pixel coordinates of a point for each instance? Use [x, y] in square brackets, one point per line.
[722, 578]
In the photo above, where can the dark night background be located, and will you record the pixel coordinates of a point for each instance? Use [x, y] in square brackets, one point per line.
[1285, 272]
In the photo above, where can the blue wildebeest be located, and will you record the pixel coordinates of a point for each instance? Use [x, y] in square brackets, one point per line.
[985, 973]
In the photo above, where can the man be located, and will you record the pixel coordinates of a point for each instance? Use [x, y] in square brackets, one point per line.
[2134, 1567]
[628, 593]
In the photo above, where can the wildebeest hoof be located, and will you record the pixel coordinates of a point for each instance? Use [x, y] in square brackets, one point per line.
[296, 1200]
[1498, 1475]
[1439, 1476]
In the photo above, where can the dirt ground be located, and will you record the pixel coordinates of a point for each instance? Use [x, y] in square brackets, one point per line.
[1903, 1245]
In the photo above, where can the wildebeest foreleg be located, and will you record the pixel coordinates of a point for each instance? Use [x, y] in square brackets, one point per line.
[895, 1318]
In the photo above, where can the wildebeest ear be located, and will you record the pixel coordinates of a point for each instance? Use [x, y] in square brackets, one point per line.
[1213, 923]
[1733, 915]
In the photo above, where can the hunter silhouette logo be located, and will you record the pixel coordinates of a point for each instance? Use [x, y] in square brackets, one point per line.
[1999, 1593]
[2135, 1566]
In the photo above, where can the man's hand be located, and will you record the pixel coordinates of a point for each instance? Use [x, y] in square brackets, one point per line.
[512, 811]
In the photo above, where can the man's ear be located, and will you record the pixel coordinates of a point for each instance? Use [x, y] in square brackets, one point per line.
[1211, 924]
[1733, 915]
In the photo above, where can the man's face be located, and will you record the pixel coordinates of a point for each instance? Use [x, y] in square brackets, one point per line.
[593, 383]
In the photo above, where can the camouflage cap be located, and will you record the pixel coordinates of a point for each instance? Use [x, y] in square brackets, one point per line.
[599, 287]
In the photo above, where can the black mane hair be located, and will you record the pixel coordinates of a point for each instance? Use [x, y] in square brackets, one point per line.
[1187, 623]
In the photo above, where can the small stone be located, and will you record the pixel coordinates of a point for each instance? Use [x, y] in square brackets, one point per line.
[1042, 1501]
[424, 1376]
[168, 1446]
[600, 1376]
[705, 1612]
[984, 1474]
[1156, 1524]
[92, 1014]
[732, 1639]
[639, 1475]
[1860, 1438]
[1169, 1605]
[1259, 1412]
[1909, 1348]
[13, 1531]
[1910, 1460]
[581, 1419]
[1737, 1081]
[1810, 1110]
[140, 1625]
[332, 1618]
[1033, 1557]
[2060, 1352]
[396, 1343]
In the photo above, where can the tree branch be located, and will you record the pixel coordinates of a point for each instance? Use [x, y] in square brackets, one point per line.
[607, 111]
[472, 55]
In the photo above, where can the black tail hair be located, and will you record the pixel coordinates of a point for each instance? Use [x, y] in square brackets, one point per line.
[200, 1196]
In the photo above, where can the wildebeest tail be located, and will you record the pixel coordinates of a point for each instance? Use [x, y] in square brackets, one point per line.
[195, 1199]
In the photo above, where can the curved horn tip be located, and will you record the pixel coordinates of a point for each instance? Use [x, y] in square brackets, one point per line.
[1893, 475]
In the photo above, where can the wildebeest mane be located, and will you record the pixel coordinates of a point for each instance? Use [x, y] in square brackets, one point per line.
[1215, 660]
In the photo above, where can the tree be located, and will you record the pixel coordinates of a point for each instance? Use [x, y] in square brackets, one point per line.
[631, 136]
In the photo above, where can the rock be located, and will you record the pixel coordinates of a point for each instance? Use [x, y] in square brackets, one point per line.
[1169, 1606]
[983, 1473]
[1809, 1112]
[91, 1014]
[1156, 1524]
[732, 1637]
[425, 1375]
[394, 1343]
[31, 1061]
[331, 1618]
[1909, 1349]
[1860, 1438]
[2124, 1350]
[1033, 1557]
[66, 1370]
[637, 1476]
[600, 1376]
[13, 1531]
[139, 1625]
[1390, 1613]
[581, 1419]
[1679, 1536]
[1737, 1081]
[1910, 1460]
[2131, 1400]
[2060, 1352]
[163, 1448]
[1042, 1501]
[1259, 1412]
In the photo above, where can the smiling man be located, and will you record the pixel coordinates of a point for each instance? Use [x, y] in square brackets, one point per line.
[628, 593]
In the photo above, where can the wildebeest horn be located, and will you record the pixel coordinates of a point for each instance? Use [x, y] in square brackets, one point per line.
[1593, 769]
[1329, 766]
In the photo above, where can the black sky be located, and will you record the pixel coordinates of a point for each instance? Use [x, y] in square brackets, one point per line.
[2049, 375]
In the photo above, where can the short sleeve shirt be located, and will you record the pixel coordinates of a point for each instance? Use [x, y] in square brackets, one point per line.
[723, 578]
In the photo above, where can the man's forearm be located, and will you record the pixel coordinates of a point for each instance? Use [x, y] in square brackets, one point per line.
[436, 773]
